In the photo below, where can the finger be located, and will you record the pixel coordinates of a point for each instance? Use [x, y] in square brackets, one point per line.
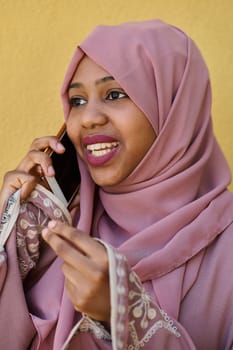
[14, 180]
[70, 254]
[40, 144]
[75, 277]
[37, 160]
[77, 298]
[82, 292]
[78, 290]
[82, 241]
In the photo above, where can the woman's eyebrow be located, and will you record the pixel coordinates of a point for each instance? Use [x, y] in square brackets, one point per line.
[97, 82]
[104, 79]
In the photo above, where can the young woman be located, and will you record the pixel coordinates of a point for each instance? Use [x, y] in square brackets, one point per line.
[144, 260]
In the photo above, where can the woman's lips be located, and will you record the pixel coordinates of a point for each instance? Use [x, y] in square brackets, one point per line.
[97, 138]
[99, 149]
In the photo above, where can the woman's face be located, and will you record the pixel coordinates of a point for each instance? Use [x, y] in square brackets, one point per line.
[110, 133]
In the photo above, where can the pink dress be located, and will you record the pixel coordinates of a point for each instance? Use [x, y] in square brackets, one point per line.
[36, 314]
[167, 227]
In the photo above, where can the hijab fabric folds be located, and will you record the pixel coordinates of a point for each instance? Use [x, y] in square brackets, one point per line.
[175, 203]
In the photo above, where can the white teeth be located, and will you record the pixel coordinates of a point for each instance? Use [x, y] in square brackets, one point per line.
[101, 148]
[101, 152]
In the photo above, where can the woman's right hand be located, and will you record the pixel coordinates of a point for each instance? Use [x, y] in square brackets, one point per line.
[28, 173]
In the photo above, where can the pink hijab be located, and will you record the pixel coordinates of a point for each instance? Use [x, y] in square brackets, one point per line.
[175, 203]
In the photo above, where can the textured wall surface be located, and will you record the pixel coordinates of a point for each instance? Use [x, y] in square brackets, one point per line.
[37, 39]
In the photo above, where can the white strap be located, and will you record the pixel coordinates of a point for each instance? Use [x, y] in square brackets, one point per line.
[9, 217]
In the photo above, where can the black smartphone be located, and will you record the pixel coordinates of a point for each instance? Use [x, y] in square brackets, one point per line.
[65, 184]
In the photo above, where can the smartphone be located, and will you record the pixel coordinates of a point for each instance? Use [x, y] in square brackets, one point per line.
[65, 184]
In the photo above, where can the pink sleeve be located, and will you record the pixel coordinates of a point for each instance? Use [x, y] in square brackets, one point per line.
[20, 229]
[136, 321]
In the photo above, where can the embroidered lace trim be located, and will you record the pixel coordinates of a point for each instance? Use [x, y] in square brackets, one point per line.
[94, 327]
[136, 318]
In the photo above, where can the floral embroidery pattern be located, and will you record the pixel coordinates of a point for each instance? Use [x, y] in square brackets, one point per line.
[32, 219]
[145, 319]
[94, 327]
[2, 255]
[135, 317]
[28, 233]
[141, 307]
[119, 300]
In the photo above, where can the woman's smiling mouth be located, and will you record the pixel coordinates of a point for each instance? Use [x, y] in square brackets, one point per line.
[99, 149]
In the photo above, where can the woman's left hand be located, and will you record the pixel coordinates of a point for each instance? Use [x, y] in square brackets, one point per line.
[85, 268]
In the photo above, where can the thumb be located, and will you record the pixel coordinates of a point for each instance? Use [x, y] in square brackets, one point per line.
[15, 180]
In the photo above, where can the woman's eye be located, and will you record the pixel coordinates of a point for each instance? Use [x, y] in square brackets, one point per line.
[115, 95]
[76, 101]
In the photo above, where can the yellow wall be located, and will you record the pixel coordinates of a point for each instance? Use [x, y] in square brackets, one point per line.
[38, 37]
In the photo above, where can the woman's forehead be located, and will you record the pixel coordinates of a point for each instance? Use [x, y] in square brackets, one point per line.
[89, 69]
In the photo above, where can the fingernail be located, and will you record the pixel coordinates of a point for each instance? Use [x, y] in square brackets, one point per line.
[60, 147]
[44, 232]
[51, 171]
[52, 224]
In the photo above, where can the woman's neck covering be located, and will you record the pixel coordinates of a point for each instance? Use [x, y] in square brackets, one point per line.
[175, 203]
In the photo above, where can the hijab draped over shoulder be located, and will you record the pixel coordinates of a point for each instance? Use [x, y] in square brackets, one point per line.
[175, 203]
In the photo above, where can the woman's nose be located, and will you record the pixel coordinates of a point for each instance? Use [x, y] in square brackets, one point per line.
[93, 115]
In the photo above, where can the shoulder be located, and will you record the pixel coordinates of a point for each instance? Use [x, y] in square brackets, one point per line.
[208, 303]
[214, 279]
[215, 275]
[220, 250]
